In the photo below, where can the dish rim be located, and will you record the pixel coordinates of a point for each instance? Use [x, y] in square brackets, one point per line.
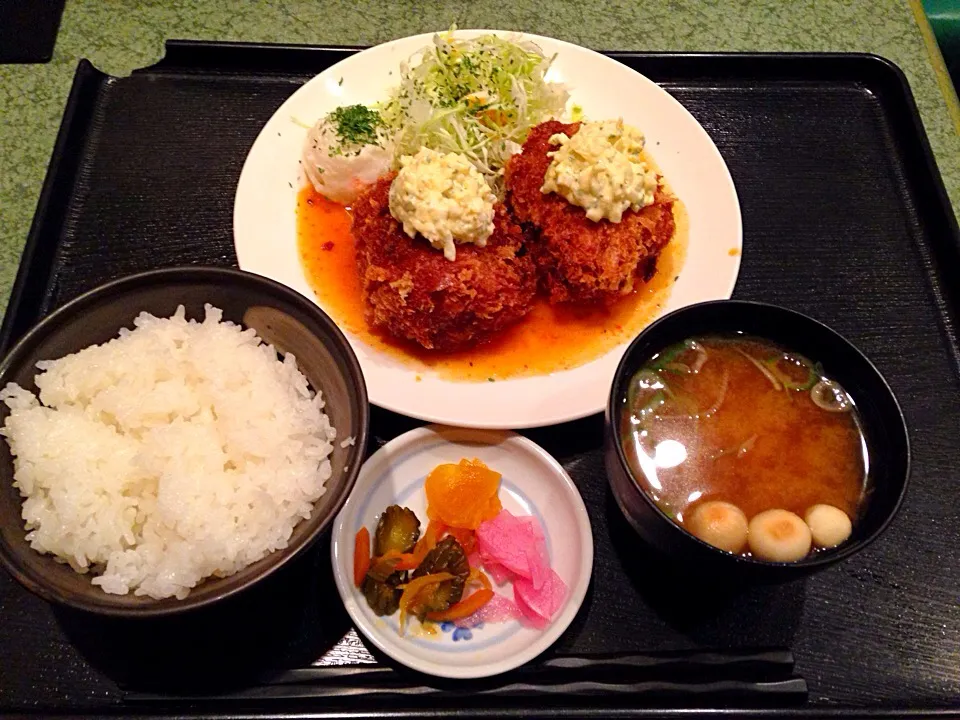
[172, 606]
[534, 412]
[811, 562]
[341, 549]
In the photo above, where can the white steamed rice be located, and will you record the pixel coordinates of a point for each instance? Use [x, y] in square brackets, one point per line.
[177, 451]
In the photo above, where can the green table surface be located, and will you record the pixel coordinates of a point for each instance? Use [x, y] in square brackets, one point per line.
[118, 36]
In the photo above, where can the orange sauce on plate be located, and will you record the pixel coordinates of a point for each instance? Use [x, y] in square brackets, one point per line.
[549, 339]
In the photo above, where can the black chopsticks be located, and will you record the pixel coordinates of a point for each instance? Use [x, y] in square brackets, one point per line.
[742, 677]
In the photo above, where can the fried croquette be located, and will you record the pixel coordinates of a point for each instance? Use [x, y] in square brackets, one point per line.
[579, 260]
[413, 292]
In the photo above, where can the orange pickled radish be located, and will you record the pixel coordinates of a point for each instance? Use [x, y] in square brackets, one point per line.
[400, 561]
[466, 538]
[464, 608]
[361, 556]
[477, 575]
[428, 540]
[435, 529]
[463, 495]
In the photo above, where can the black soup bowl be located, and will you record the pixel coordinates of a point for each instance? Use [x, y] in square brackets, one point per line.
[281, 317]
[883, 426]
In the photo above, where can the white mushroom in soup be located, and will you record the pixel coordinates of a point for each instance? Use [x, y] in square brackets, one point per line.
[720, 524]
[829, 525]
[779, 536]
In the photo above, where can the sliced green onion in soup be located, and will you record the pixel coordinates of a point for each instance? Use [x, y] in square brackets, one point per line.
[793, 371]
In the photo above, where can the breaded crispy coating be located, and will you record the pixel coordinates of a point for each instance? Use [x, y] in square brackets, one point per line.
[579, 260]
[413, 292]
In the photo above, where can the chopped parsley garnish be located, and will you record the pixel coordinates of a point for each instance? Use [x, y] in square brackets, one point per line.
[356, 125]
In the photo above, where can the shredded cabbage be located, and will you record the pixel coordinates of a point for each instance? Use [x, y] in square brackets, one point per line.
[478, 97]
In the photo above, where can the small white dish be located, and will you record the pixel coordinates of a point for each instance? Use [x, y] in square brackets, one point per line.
[265, 225]
[532, 483]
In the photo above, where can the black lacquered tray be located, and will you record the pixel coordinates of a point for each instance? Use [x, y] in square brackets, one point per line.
[845, 218]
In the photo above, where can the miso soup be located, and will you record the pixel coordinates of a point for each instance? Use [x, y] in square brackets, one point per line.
[747, 445]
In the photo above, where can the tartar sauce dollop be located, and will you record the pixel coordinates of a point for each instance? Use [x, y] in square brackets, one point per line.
[444, 198]
[601, 169]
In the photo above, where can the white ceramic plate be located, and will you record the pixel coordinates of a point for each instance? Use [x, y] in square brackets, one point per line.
[264, 222]
[532, 483]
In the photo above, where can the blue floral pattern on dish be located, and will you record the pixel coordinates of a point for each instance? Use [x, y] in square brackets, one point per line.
[483, 640]
[459, 633]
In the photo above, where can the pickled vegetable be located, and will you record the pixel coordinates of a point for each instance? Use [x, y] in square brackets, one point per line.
[447, 557]
[466, 538]
[361, 556]
[465, 607]
[384, 566]
[477, 575]
[428, 540]
[383, 596]
[420, 594]
[398, 529]
[401, 561]
[462, 495]
[428, 574]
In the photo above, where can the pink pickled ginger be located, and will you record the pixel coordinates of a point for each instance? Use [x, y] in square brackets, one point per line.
[543, 601]
[514, 548]
[527, 615]
[497, 572]
[517, 544]
[499, 609]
